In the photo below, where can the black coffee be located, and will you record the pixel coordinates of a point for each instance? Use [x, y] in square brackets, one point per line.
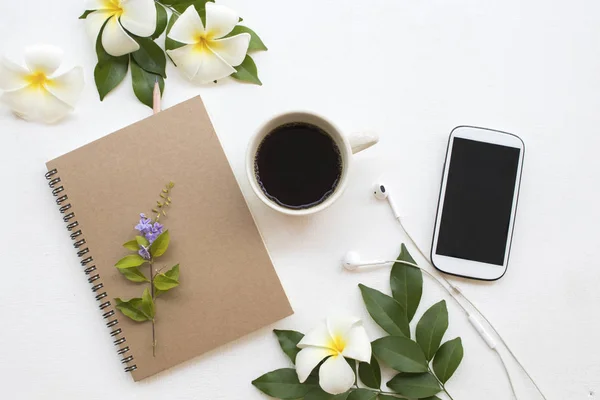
[298, 165]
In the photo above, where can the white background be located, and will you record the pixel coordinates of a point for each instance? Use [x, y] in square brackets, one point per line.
[409, 70]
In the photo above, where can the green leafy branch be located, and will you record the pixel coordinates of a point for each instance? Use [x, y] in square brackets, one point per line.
[424, 364]
[148, 64]
[142, 309]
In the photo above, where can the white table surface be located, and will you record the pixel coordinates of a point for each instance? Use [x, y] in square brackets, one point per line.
[409, 70]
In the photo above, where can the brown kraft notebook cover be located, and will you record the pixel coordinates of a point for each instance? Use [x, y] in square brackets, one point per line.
[228, 286]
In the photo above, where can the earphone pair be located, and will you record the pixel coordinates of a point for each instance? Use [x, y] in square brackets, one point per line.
[352, 261]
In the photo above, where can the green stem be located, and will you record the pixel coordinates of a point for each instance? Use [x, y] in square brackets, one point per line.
[152, 295]
[384, 392]
[169, 7]
[441, 384]
[379, 391]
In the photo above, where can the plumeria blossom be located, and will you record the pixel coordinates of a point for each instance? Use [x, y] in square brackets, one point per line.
[35, 93]
[334, 340]
[207, 54]
[121, 17]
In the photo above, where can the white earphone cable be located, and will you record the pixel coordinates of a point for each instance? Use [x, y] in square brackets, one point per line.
[451, 288]
[512, 386]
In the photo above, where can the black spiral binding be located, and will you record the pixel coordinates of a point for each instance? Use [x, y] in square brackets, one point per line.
[90, 269]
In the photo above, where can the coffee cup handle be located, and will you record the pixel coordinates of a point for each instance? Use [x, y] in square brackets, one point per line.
[362, 141]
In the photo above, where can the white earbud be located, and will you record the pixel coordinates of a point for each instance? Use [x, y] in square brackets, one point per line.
[352, 261]
[381, 192]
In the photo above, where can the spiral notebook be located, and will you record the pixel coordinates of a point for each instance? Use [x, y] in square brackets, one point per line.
[228, 286]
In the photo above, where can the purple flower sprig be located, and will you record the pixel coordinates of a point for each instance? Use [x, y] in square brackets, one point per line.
[150, 230]
[150, 244]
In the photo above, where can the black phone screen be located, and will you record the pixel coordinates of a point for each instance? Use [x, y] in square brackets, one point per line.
[479, 196]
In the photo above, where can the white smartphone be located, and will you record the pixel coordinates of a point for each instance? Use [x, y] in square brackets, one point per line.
[478, 203]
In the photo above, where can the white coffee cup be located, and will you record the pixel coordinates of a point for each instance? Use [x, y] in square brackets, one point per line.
[348, 146]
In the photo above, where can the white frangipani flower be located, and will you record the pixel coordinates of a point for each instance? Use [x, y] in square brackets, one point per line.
[135, 16]
[207, 54]
[34, 93]
[334, 340]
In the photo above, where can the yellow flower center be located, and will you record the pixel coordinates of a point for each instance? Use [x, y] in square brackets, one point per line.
[114, 7]
[202, 43]
[338, 343]
[37, 79]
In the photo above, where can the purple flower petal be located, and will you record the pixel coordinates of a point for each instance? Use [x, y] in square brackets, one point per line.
[144, 253]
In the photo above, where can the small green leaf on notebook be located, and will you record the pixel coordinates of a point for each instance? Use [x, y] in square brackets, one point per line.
[130, 261]
[141, 241]
[173, 273]
[163, 283]
[160, 245]
[148, 304]
[132, 309]
[131, 245]
[134, 274]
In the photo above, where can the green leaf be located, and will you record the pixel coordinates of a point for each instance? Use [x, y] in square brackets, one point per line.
[109, 74]
[150, 57]
[431, 328]
[406, 283]
[143, 84]
[283, 384]
[110, 71]
[288, 340]
[163, 283]
[387, 397]
[370, 373]
[256, 44]
[86, 13]
[182, 5]
[171, 44]
[362, 394]
[130, 261]
[148, 304]
[246, 72]
[131, 245]
[417, 386]
[447, 359]
[160, 245]
[400, 353]
[173, 275]
[141, 241]
[134, 275]
[319, 394]
[132, 309]
[161, 20]
[386, 311]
